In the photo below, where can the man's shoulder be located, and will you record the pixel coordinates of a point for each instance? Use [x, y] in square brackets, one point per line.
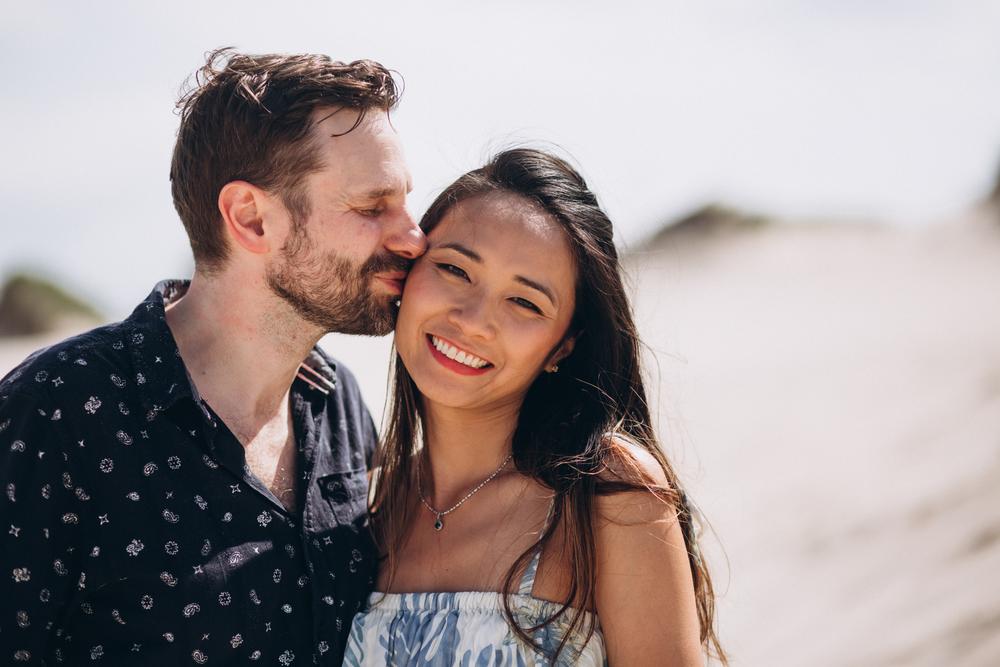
[77, 361]
[46, 398]
[346, 403]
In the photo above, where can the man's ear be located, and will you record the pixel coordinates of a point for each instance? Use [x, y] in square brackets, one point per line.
[242, 206]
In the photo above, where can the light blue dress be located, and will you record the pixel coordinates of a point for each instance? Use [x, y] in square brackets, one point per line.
[467, 629]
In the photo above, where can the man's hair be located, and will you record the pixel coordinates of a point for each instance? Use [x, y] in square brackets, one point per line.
[247, 118]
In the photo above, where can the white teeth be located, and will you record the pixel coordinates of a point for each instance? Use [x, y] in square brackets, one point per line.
[454, 353]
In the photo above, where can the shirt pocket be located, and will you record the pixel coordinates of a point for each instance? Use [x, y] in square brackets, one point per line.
[347, 494]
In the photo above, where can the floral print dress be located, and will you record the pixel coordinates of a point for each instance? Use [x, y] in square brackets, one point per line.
[466, 628]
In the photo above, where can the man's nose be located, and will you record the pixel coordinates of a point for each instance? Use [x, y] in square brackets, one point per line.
[407, 239]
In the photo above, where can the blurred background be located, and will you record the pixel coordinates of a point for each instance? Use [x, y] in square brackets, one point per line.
[806, 195]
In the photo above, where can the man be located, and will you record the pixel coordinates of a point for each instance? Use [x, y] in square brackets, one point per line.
[189, 485]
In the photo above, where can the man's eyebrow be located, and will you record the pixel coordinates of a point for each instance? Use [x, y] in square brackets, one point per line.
[528, 282]
[468, 252]
[380, 193]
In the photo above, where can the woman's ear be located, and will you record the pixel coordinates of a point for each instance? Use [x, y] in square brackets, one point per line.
[563, 350]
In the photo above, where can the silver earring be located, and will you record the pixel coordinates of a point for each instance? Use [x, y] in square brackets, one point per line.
[398, 302]
[554, 369]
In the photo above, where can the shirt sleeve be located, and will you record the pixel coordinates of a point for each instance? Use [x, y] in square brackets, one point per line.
[370, 441]
[42, 518]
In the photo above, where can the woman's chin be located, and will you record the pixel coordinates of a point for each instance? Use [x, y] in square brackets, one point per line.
[445, 394]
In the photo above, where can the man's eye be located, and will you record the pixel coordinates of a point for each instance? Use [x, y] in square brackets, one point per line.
[453, 270]
[370, 212]
[524, 303]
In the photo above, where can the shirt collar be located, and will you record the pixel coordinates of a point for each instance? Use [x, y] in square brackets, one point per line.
[160, 372]
[161, 375]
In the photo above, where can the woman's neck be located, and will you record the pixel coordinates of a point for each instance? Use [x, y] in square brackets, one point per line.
[463, 447]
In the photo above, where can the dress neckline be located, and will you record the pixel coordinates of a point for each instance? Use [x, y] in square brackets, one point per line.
[465, 601]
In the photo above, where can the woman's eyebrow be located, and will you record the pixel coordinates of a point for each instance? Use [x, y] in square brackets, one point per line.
[528, 282]
[468, 252]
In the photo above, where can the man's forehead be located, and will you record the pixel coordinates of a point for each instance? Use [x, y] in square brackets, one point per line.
[365, 156]
[390, 190]
[332, 122]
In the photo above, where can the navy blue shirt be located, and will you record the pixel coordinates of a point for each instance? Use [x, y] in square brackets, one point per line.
[133, 531]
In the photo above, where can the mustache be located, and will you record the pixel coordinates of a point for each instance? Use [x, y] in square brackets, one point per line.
[384, 263]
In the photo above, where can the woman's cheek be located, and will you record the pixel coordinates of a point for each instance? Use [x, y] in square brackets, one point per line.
[536, 338]
[415, 297]
[420, 301]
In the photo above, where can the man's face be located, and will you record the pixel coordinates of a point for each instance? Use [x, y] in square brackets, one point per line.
[342, 267]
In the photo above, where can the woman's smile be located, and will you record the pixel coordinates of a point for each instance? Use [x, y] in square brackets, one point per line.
[488, 307]
[455, 358]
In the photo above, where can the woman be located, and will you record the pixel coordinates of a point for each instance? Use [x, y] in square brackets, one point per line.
[525, 512]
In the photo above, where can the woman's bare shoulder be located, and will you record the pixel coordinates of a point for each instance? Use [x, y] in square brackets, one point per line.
[638, 489]
[645, 592]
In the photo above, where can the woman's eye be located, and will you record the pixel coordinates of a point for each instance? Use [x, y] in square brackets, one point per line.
[524, 303]
[453, 270]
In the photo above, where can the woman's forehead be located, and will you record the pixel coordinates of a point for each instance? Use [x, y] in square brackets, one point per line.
[501, 217]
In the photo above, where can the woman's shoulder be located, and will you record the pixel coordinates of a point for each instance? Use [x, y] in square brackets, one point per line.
[634, 491]
[645, 591]
[632, 467]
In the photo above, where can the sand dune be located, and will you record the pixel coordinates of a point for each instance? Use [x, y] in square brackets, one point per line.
[832, 395]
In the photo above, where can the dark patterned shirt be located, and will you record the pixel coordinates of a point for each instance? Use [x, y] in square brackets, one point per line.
[133, 531]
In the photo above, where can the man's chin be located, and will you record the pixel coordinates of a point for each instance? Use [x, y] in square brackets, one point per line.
[369, 314]
[386, 324]
[377, 319]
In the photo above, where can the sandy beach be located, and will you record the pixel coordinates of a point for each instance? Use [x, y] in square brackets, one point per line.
[831, 393]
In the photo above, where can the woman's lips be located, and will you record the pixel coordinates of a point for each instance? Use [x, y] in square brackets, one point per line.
[453, 365]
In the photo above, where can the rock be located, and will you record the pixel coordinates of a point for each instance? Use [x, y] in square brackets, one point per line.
[710, 222]
[995, 195]
[30, 305]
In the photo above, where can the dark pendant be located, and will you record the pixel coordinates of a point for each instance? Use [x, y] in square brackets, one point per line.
[438, 523]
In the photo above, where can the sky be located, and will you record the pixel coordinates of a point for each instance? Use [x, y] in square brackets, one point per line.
[879, 111]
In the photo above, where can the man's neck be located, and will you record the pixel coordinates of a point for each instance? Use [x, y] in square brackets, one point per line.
[241, 345]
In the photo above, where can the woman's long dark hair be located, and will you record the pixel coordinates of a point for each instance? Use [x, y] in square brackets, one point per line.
[570, 425]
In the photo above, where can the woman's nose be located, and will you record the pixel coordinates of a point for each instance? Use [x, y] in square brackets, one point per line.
[473, 316]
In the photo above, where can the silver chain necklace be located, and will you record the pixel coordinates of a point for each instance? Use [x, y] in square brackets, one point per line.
[439, 514]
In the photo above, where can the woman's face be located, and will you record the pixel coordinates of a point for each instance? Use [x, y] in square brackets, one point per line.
[487, 308]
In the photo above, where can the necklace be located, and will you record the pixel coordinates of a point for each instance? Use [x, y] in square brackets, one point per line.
[439, 514]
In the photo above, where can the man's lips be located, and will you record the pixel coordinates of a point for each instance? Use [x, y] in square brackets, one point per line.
[395, 281]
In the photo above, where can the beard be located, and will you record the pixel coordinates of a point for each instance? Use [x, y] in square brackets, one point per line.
[332, 292]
